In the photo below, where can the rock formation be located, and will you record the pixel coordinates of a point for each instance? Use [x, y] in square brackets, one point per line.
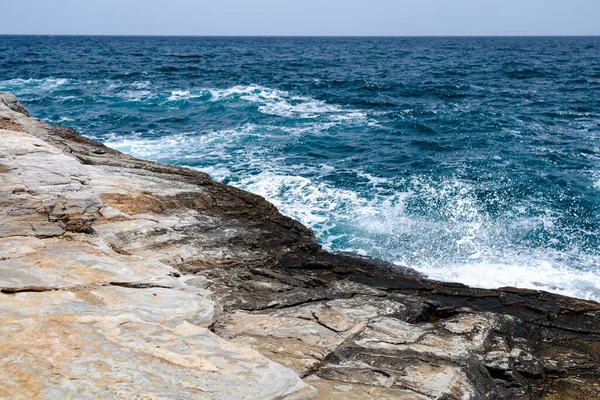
[123, 278]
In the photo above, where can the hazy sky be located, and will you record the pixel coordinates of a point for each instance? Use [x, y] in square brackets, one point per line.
[302, 17]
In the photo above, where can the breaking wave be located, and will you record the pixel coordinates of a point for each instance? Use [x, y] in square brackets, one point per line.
[420, 154]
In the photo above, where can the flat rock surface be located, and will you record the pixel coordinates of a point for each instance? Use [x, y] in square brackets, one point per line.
[122, 278]
[85, 318]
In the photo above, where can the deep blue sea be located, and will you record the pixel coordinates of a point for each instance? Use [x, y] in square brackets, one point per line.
[474, 160]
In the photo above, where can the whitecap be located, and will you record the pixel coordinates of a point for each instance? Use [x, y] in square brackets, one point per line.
[179, 95]
[137, 95]
[281, 103]
[527, 273]
[141, 85]
[373, 180]
[21, 86]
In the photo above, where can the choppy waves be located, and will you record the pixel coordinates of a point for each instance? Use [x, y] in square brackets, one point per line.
[465, 173]
[269, 101]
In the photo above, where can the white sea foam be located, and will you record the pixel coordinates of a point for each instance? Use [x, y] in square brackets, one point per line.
[595, 176]
[527, 273]
[187, 94]
[310, 202]
[467, 247]
[136, 95]
[279, 102]
[179, 95]
[22, 86]
[185, 148]
[142, 85]
[270, 101]
[131, 92]
[373, 180]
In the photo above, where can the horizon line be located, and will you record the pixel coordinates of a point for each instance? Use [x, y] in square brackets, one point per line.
[297, 36]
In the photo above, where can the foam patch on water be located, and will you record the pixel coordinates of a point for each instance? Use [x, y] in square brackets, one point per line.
[189, 94]
[186, 148]
[318, 200]
[595, 177]
[31, 85]
[529, 273]
[279, 102]
[179, 95]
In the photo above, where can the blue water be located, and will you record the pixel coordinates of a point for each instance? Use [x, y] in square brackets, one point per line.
[470, 159]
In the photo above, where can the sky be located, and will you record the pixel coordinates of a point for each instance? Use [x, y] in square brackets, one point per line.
[302, 17]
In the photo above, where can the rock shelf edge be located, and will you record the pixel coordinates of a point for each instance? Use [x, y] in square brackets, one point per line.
[123, 278]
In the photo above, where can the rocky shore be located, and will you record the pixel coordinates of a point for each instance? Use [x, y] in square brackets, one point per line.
[123, 278]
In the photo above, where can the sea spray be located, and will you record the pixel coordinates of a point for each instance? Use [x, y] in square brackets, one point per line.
[470, 159]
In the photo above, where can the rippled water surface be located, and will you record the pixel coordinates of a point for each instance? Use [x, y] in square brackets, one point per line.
[470, 159]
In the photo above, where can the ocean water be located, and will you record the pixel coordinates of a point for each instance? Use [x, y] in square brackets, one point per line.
[474, 160]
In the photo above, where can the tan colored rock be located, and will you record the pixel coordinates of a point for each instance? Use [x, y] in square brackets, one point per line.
[85, 318]
[296, 343]
[90, 356]
[329, 389]
[334, 319]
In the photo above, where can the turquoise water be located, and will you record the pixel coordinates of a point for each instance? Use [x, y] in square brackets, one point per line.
[470, 159]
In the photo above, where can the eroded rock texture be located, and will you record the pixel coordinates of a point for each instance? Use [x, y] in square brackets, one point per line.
[122, 278]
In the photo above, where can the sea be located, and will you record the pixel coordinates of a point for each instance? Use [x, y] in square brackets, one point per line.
[470, 159]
